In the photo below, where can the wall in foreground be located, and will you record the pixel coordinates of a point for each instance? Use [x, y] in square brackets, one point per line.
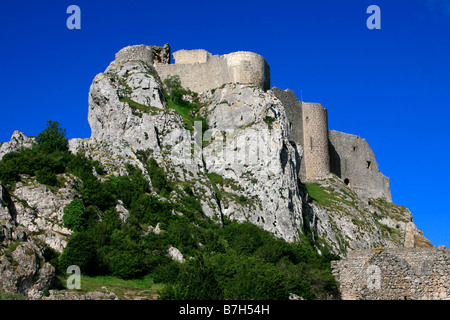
[394, 274]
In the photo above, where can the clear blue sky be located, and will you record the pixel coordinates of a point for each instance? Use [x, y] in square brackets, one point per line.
[389, 86]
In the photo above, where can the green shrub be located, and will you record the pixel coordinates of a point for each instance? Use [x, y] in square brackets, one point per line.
[158, 177]
[196, 281]
[53, 138]
[126, 257]
[80, 251]
[46, 176]
[74, 217]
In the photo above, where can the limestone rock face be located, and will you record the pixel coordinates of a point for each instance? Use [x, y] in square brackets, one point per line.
[250, 151]
[128, 114]
[176, 254]
[347, 222]
[18, 140]
[22, 266]
[40, 210]
[246, 167]
[129, 117]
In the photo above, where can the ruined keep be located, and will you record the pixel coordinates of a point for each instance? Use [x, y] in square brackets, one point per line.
[152, 55]
[315, 141]
[327, 151]
[394, 274]
[324, 151]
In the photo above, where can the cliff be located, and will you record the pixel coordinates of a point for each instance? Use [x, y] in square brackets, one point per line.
[244, 152]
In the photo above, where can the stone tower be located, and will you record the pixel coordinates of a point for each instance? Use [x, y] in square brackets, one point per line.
[150, 54]
[315, 141]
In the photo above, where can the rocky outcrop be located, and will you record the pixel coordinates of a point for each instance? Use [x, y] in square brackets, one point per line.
[22, 265]
[256, 163]
[129, 116]
[18, 140]
[40, 210]
[343, 220]
[246, 167]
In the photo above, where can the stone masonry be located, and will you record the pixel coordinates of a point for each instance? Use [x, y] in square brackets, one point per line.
[201, 71]
[394, 274]
[153, 55]
[354, 162]
[315, 141]
[324, 151]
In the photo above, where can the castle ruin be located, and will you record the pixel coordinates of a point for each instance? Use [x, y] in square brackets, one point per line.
[394, 274]
[324, 151]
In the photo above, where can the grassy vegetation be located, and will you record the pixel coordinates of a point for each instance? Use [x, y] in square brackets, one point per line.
[175, 97]
[320, 194]
[139, 108]
[269, 120]
[11, 296]
[141, 288]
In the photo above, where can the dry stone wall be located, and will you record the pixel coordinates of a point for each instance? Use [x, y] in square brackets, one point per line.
[394, 274]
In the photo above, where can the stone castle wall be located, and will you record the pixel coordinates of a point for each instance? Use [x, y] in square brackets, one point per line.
[200, 71]
[139, 52]
[294, 114]
[394, 274]
[315, 141]
[308, 127]
[324, 151]
[354, 162]
[191, 56]
[148, 54]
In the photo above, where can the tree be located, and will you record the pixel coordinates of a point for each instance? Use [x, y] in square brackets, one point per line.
[74, 217]
[53, 138]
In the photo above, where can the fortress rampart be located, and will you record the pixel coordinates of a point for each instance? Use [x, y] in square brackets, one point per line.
[354, 162]
[201, 71]
[394, 274]
[324, 151]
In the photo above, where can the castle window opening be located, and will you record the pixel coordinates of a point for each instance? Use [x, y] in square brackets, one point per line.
[347, 181]
[290, 125]
[369, 165]
[354, 149]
